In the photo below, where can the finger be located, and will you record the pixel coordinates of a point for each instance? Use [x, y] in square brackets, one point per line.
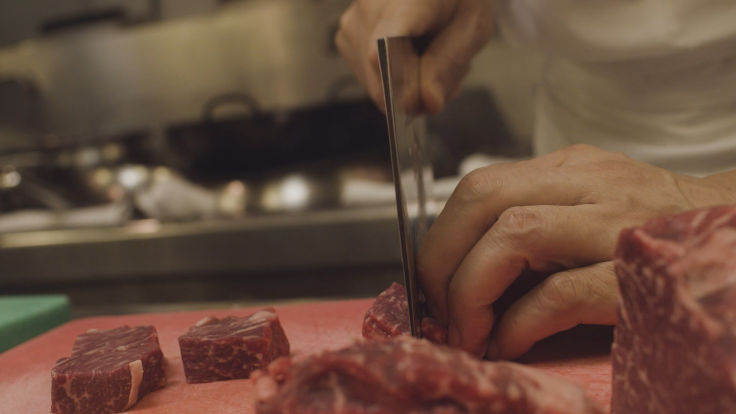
[414, 18]
[409, 18]
[447, 60]
[359, 51]
[474, 206]
[372, 81]
[586, 295]
[540, 238]
[558, 178]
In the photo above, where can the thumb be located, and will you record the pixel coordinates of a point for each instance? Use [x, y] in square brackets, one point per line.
[587, 295]
[447, 60]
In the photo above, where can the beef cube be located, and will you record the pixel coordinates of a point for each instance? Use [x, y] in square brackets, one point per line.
[674, 349]
[389, 314]
[408, 375]
[232, 347]
[433, 331]
[389, 317]
[108, 371]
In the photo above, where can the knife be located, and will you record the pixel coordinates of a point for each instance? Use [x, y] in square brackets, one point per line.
[398, 59]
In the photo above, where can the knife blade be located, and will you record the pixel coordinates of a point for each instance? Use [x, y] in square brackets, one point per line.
[398, 59]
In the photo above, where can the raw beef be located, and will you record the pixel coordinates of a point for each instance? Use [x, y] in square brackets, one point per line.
[232, 347]
[108, 371]
[675, 344]
[389, 317]
[434, 331]
[407, 375]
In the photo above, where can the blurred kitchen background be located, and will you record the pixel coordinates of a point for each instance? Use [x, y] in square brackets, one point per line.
[159, 154]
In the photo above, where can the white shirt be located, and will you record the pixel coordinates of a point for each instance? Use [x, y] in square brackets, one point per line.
[655, 79]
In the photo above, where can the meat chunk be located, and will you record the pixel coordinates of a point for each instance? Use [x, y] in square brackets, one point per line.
[389, 314]
[434, 331]
[108, 371]
[389, 317]
[232, 347]
[675, 344]
[408, 375]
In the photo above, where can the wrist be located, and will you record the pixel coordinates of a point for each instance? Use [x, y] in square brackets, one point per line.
[708, 191]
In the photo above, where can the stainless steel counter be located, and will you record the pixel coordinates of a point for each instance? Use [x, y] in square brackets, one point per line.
[327, 239]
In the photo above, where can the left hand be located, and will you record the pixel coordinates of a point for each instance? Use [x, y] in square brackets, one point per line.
[560, 213]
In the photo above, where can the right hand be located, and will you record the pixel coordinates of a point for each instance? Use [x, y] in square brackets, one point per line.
[457, 28]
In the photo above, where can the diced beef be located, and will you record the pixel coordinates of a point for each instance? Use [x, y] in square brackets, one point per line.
[675, 343]
[434, 331]
[407, 375]
[389, 317]
[108, 371]
[232, 347]
[389, 314]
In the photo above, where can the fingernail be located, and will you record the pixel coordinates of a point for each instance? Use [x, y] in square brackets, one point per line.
[453, 336]
[492, 352]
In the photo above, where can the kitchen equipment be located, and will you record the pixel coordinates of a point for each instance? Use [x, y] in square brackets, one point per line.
[412, 172]
[25, 371]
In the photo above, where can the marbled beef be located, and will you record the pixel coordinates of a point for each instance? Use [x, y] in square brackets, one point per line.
[407, 375]
[389, 317]
[108, 371]
[232, 347]
[675, 344]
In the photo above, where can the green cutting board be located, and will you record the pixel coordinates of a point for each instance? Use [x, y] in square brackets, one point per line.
[23, 317]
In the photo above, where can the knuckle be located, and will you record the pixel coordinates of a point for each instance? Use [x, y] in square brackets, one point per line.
[344, 21]
[463, 291]
[520, 223]
[561, 291]
[581, 148]
[578, 152]
[364, 6]
[372, 56]
[341, 40]
[473, 187]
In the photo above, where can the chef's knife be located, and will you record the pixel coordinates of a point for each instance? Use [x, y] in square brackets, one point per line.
[398, 59]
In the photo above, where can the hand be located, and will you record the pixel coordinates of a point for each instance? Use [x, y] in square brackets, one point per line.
[458, 29]
[559, 214]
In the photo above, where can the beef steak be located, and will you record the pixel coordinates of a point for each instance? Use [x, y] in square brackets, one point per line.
[389, 317]
[108, 371]
[408, 375]
[232, 347]
[675, 343]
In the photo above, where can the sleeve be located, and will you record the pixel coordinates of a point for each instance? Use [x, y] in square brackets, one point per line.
[611, 30]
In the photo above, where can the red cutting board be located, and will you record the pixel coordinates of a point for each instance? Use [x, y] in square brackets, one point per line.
[25, 380]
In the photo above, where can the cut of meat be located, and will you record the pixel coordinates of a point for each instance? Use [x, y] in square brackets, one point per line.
[434, 331]
[408, 375]
[108, 371]
[389, 317]
[389, 314]
[232, 347]
[675, 343]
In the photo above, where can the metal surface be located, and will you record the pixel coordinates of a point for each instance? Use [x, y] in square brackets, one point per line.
[150, 250]
[412, 172]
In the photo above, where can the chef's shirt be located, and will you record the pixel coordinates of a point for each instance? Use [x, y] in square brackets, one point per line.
[655, 79]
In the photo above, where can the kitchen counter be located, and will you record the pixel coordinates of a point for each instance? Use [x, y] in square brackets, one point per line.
[321, 239]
